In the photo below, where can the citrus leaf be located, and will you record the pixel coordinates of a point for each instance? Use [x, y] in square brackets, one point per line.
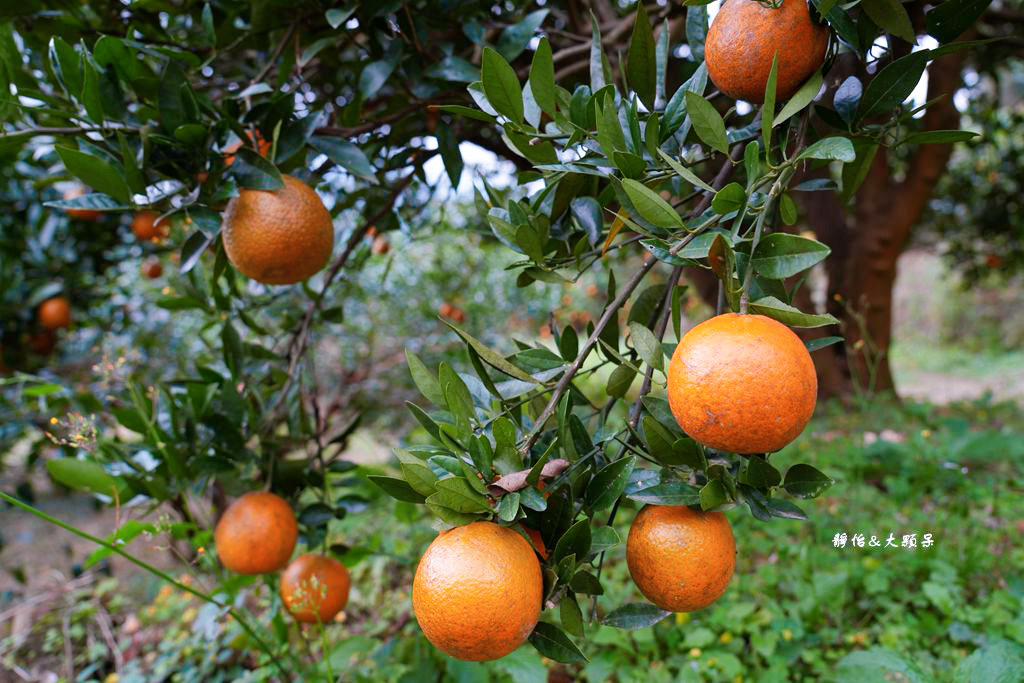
[651, 207]
[551, 642]
[805, 481]
[501, 85]
[781, 255]
[707, 122]
[634, 616]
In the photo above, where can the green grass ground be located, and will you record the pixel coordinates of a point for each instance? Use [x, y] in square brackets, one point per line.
[799, 608]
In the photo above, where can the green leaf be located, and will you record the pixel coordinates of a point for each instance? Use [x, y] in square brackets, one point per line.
[787, 209]
[542, 78]
[781, 255]
[501, 85]
[834, 148]
[936, 137]
[803, 97]
[891, 16]
[456, 494]
[697, 27]
[598, 62]
[491, 357]
[855, 173]
[651, 207]
[67, 65]
[347, 155]
[783, 509]
[892, 85]
[570, 615]
[768, 108]
[759, 473]
[805, 481]
[997, 661]
[641, 68]
[877, 664]
[685, 173]
[585, 582]
[730, 198]
[374, 75]
[603, 538]
[671, 493]
[448, 145]
[788, 315]
[88, 476]
[420, 478]
[619, 381]
[551, 642]
[948, 20]
[398, 489]
[128, 532]
[91, 98]
[815, 344]
[647, 345]
[713, 494]
[575, 541]
[707, 122]
[508, 508]
[634, 616]
[252, 171]
[515, 38]
[609, 483]
[424, 379]
[99, 174]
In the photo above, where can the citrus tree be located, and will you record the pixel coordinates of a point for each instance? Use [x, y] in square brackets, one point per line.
[684, 152]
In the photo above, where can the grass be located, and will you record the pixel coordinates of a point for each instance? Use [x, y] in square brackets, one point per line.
[799, 608]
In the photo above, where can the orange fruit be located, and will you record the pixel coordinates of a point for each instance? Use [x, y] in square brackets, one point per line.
[681, 559]
[256, 534]
[146, 229]
[742, 383]
[81, 214]
[477, 591]
[380, 245]
[55, 313]
[743, 41]
[278, 237]
[152, 269]
[458, 315]
[446, 310]
[314, 588]
[254, 136]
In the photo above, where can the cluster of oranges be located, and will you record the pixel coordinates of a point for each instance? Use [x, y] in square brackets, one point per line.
[738, 383]
[257, 535]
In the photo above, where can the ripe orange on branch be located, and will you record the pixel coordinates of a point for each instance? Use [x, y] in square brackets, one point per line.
[742, 383]
[278, 237]
[146, 228]
[314, 588]
[256, 534]
[55, 313]
[477, 591]
[744, 39]
[681, 559]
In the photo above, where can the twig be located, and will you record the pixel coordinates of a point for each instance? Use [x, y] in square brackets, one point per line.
[273, 56]
[659, 333]
[31, 132]
[300, 339]
[611, 310]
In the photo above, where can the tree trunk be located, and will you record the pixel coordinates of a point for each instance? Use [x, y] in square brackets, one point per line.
[867, 242]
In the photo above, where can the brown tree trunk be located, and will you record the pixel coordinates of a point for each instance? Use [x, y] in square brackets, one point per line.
[867, 241]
